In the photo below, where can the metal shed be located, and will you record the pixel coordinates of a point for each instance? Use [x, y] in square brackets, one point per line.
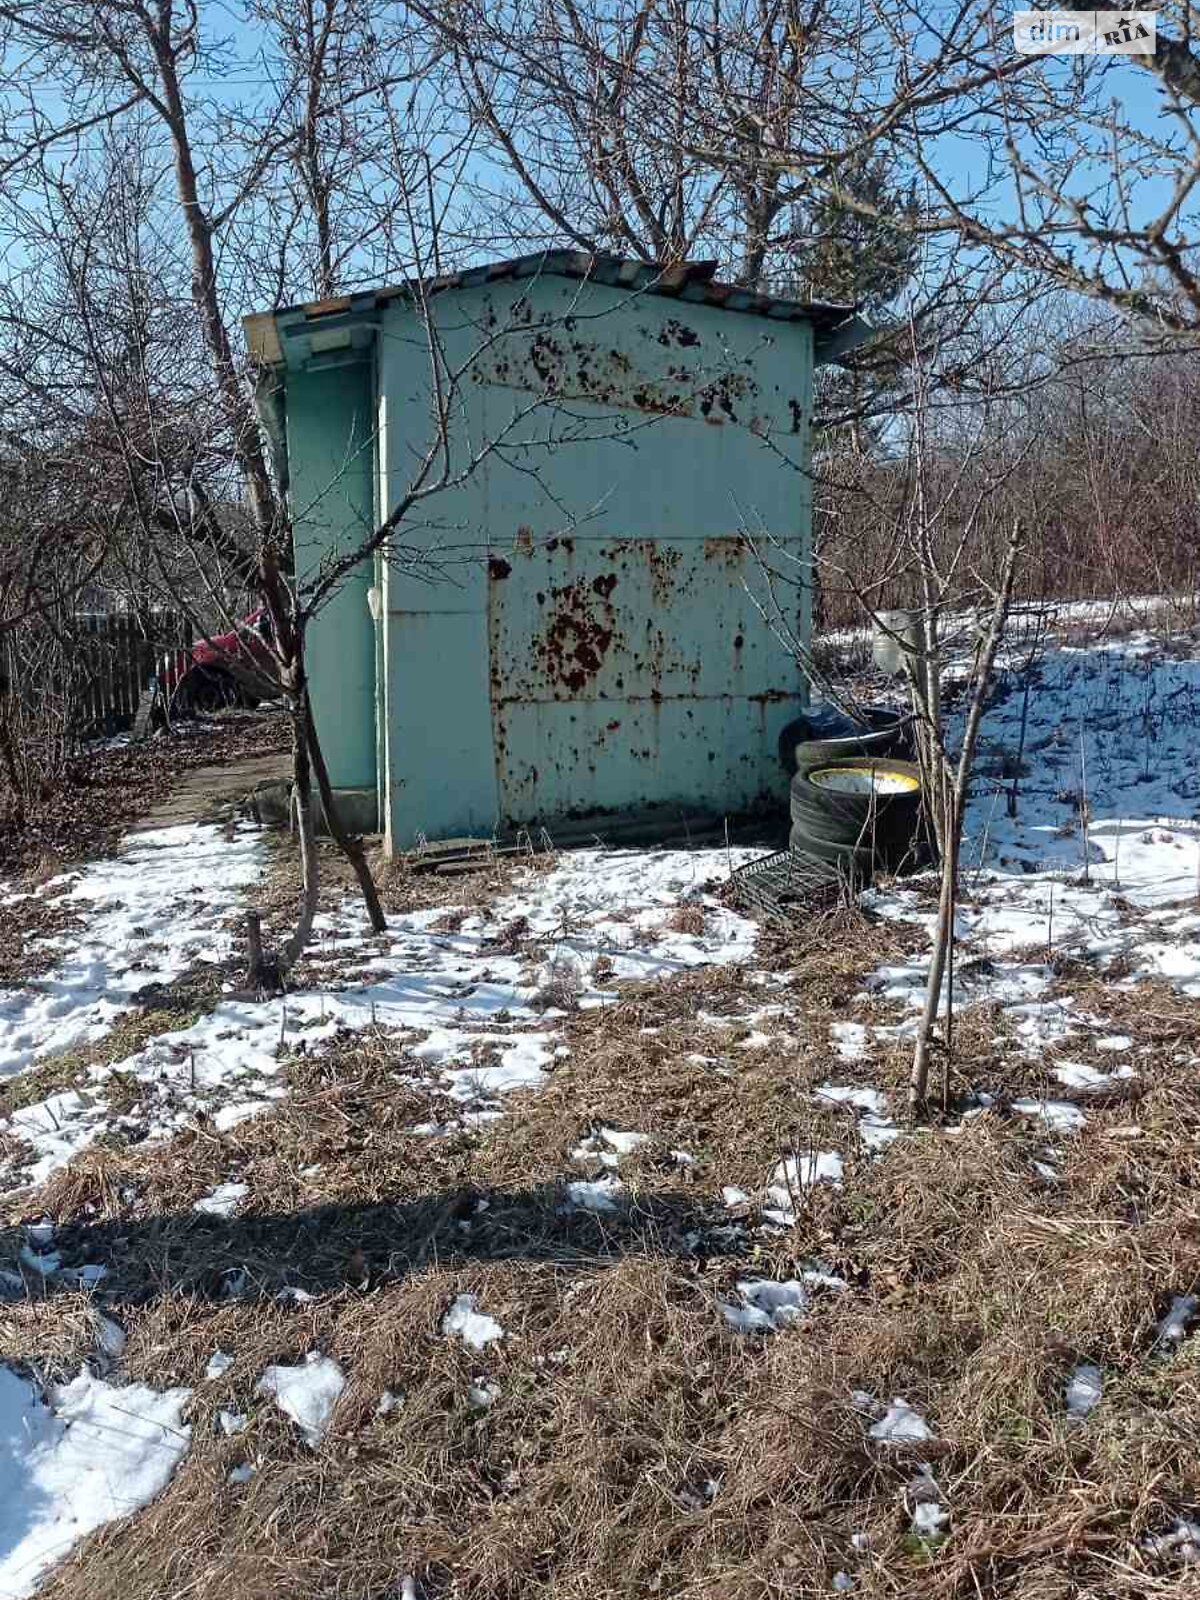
[578, 620]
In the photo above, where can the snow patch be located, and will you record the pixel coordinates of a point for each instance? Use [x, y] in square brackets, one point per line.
[468, 992]
[900, 1424]
[608, 1145]
[1060, 1115]
[1041, 881]
[1181, 1543]
[794, 1174]
[159, 906]
[465, 1321]
[1173, 1327]
[96, 1452]
[223, 1201]
[846, 1095]
[1090, 1080]
[1084, 1390]
[849, 1040]
[767, 1306]
[875, 1126]
[600, 1195]
[307, 1393]
[45, 1263]
[111, 1338]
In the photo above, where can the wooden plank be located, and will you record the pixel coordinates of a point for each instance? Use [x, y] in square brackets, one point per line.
[143, 720]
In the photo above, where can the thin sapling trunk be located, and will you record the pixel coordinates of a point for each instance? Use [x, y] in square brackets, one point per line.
[349, 844]
[955, 784]
[310, 870]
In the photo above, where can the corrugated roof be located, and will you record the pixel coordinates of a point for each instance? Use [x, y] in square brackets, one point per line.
[692, 281]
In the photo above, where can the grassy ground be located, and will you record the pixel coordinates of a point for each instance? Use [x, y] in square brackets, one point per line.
[635, 1444]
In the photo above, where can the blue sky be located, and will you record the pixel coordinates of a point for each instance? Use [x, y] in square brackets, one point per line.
[1134, 90]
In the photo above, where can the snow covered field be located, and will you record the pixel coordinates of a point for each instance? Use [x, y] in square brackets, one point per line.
[89, 1452]
[1082, 864]
[596, 918]
[149, 913]
[596, 912]
[1083, 841]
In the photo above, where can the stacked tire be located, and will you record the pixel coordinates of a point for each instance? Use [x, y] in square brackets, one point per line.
[856, 797]
[877, 731]
[859, 814]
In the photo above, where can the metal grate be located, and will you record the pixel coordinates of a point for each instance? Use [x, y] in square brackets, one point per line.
[788, 883]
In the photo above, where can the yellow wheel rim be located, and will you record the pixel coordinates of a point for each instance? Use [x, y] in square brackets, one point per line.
[865, 780]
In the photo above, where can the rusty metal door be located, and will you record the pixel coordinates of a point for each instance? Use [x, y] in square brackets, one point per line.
[633, 671]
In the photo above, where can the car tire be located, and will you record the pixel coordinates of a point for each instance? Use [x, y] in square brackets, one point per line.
[205, 691]
[881, 733]
[863, 812]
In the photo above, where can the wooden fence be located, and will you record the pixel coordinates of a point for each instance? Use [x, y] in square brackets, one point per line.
[67, 677]
[116, 657]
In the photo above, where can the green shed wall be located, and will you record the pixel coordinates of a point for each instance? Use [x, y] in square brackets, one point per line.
[582, 629]
[331, 462]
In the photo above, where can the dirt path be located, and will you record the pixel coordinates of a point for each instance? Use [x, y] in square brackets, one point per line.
[206, 793]
[109, 789]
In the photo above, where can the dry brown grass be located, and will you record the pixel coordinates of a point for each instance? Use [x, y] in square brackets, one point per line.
[84, 809]
[402, 889]
[974, 1289]
[688, 918]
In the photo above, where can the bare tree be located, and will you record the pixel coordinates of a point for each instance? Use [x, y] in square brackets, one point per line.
[946, 775]
[942, 499]
[208, 212]
[1061, 168]
[364, 144]
[648, 130]
[52, 548]
[1108, 434]
[761, 133]
[132, 58]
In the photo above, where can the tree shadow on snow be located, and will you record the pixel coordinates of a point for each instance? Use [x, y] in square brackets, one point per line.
[319, 1248]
